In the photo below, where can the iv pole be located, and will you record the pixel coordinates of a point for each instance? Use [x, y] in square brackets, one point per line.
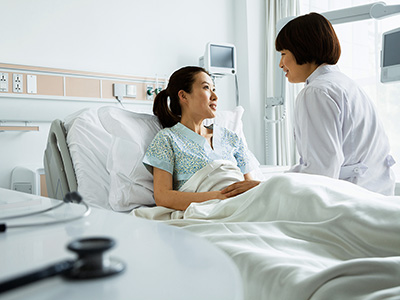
[377, 10]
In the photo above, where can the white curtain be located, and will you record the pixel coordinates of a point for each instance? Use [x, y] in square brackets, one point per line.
[279, 139]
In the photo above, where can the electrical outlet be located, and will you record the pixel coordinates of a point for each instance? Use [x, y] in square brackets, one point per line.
[18, 83]
[3, 82]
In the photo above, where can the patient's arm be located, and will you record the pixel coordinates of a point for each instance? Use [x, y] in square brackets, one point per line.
[240, 187]
[165, 195]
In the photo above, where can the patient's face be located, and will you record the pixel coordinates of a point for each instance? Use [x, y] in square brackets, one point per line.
[202, 101]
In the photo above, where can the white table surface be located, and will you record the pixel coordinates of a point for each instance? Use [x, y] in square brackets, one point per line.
[162, 262]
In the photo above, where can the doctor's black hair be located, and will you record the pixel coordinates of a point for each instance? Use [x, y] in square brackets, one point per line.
[170, 113]
[311, 38]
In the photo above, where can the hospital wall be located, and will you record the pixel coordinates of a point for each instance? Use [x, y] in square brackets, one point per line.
[149, 38]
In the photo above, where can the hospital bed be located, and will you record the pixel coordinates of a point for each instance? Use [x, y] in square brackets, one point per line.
[92, 153]
[294, 236]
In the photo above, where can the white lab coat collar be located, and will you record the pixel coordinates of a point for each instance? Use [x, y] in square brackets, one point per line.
[322, 69]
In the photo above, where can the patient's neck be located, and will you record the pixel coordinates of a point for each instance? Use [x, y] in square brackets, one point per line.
[194, 125]
[199, 128]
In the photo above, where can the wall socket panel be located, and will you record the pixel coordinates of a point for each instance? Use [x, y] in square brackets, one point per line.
[3, 82]
[31, 84]
[131, 90]
[18, 84]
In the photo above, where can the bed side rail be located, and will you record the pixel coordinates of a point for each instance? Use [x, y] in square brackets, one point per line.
[59, 170]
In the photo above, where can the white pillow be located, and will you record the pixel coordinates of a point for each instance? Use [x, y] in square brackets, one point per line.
[131, 185]
[232, 120]
[89, 144]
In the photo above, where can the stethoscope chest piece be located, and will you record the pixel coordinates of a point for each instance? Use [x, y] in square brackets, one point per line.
[91, 262]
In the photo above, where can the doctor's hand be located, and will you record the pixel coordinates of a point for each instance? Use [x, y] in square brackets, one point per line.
[238, 188]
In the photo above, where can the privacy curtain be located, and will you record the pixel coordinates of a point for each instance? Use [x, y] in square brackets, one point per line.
[279, 138]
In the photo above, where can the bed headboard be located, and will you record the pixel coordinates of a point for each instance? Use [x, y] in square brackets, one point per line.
[59, 170]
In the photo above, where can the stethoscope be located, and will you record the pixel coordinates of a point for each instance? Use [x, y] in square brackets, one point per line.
[90, 262]
[73, 197]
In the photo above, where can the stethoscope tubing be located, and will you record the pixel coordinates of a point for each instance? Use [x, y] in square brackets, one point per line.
[34, 212]
[4, 226]
[46, 272]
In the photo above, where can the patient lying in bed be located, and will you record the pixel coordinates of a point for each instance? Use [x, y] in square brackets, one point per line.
[186, 146]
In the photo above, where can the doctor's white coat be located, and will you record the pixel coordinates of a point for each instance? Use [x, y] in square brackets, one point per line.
[338, 132]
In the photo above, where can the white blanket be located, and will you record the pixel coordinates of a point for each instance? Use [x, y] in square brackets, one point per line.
[298, 236]
[213, 177]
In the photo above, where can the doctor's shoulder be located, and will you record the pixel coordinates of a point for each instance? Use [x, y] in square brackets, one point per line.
[334, 81]
[318, 99]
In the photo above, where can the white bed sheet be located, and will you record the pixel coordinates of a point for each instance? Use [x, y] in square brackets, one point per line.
[299, 236]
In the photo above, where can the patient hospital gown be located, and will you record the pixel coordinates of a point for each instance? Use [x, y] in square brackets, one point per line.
[182, 152]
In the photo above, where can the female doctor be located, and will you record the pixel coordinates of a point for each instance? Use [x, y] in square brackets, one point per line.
[337, 130]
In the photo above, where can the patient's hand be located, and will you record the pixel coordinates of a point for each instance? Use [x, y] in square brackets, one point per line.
[239, 187]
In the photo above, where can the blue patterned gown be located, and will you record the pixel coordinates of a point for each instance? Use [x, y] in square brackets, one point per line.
[182, 152]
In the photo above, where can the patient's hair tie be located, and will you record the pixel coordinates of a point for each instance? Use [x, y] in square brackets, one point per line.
[169, 102]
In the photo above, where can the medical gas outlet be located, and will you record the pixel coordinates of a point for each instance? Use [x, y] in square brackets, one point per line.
[151, 91]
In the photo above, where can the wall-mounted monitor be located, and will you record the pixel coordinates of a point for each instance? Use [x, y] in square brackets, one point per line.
[219, 59]
[390, 60]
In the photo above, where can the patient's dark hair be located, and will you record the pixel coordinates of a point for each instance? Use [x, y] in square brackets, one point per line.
[181, 79]
[311, 38]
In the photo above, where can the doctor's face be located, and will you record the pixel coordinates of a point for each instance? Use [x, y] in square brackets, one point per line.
[295, 73]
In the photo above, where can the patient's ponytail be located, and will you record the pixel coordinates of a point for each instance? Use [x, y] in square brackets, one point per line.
[168, 113]
[166, 104]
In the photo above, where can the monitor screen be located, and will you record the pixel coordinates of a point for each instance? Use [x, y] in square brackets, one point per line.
[219, 59]
[221, 56]
[392, 49]
[390, 56]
